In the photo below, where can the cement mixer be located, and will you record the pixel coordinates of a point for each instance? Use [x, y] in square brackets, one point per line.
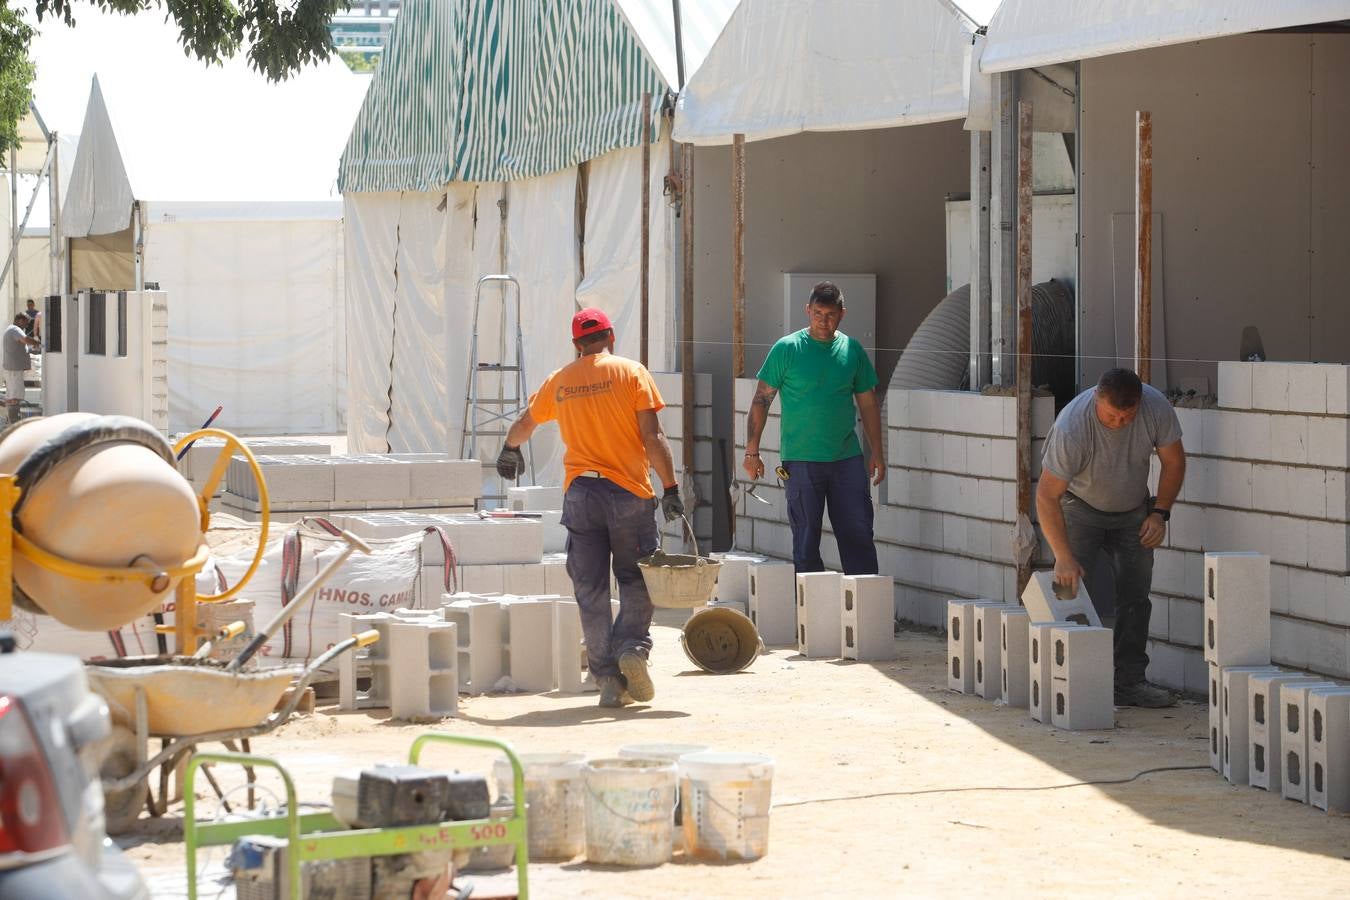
[97, 528]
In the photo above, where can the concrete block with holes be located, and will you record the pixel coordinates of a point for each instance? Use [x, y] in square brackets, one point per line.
[493, 541]
[868, 617]
[1237, 609]
[1045, 605]
[961, 645]
[773, 602]
[370, 477]
[423, 668]
[1293, 725]
[1329, 749]
[534, 497]
[1213, 701]
[1014, 655]
[988, 650]
[1264, 765]
[818, 600]
[1082, 676]
[480, 621]
[373, 661]
[1039, 686]
[733, 579]
[568, 647]
[531, 642]
[524, 580]
[1234, 714]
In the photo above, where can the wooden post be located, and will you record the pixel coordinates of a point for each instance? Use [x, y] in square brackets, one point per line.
[687, 308]
[646, 223]
[738, 256]
[1024, 195]
[1143, 245]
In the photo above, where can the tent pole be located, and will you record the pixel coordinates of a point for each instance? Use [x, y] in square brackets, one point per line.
[1024, 199]
[738, 256]
[54, 202]
[12, 261]
[646, 224]
[979, 259]
[1003, 231]
[15, 231]
[1143, 245]
[687, 398]
[679, 43]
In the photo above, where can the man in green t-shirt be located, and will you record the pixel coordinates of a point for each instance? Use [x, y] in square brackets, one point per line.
[822, 373]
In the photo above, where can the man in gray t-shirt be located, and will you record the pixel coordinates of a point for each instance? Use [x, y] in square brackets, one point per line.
[16, 362]
[1094, 497]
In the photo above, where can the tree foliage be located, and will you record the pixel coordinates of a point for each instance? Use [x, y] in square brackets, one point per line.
[281, 36]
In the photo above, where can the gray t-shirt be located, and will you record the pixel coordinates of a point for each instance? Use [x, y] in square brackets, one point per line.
[1108, 468]
[16, 351]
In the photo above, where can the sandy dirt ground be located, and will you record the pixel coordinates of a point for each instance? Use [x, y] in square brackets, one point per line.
[886, 785]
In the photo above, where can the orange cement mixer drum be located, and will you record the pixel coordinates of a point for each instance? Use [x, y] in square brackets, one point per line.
[115, 503]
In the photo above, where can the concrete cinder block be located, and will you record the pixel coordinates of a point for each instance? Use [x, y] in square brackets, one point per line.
[483, 579]
[374, 660]
[819, 598]
[1040, 694]
[568, 647]
[1329, 749]
[534, 497]
[530, 652]
[1214, 701]
[1045, 605]
[481, 623]
[1293, 726]
[1237, 609]
[961, 646]
[1014, 656]
[524, 580]
[868, 617]
[773, 602]
[1264, 765]
[370, 478]
[424, 668]
[733, 579]
[1235, 718]
[1082, 675]
[556, 579]
[1270, 386]
[989, 650]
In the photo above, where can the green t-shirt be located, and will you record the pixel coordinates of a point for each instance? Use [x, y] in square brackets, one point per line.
[817, 381]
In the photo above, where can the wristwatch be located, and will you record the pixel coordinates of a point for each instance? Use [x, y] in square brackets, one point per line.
[1165, 513]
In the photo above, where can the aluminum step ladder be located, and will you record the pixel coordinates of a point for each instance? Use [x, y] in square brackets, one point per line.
[496, 393]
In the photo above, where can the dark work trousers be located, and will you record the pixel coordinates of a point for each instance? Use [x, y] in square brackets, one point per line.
[843, 488]
[1117, 535]
[606, 522]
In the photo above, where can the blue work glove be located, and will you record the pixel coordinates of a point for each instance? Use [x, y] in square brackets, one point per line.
[672, 507]
[510, 462]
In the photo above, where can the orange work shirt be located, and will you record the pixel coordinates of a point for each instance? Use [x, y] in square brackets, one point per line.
[596, 400]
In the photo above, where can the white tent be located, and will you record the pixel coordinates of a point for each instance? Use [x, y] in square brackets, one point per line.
[227, 183]
[782, 67]
[434, 199]
[1028, 33]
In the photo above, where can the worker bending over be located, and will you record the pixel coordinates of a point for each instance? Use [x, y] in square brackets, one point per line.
[606, 409]
[1094, 497]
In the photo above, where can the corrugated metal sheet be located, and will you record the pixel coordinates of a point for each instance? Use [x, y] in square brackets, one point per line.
[497, 90]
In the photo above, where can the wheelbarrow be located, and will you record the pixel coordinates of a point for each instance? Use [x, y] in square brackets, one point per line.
[187, 701]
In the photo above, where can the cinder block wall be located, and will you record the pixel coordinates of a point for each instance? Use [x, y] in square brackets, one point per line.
[670, 384]
[944, 529]
[1267, 473]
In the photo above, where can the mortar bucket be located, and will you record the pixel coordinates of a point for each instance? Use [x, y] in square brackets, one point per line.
[630, 811]
[726, 804]
[678, 580]
[720, 640]
[672, 752]
[556, 798]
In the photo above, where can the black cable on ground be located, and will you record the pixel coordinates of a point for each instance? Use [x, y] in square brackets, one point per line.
[1048, 787]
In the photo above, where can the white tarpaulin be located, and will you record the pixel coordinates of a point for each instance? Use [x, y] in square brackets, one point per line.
[261, 335]
[785, 66]
[653, 21]
[614, 253]
[371, 238]
[1027, 33]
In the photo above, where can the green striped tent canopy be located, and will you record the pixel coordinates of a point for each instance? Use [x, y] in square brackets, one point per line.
[497, 90]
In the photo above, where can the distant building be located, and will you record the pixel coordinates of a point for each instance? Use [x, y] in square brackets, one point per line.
[362, 31]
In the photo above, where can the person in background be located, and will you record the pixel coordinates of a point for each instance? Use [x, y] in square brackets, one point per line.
[34, 327]
[17, 343]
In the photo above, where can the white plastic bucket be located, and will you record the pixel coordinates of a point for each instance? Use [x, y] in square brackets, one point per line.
[557, 802]
[726, 799]
[630, 811]
[671, 752]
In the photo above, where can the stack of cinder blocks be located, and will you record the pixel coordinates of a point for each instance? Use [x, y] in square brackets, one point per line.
[544, 505]
[1051, 656]
[201, 457]
[413, 667]
[844, 616]
[1236, 631]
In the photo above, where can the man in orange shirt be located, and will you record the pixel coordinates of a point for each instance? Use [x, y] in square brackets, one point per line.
[606, 407]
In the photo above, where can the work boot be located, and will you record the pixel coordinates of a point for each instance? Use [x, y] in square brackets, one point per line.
[634, 668]
[612, 693]
[1144, 695]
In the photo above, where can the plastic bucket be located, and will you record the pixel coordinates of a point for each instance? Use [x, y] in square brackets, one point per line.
[557, 802]
[630, 811]
[720, 640]
[726, 800]
[673, 753]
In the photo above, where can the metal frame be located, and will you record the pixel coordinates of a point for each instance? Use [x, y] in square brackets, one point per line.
[324, 837]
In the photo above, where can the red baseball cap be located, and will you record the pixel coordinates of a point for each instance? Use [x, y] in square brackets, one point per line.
[589, 321]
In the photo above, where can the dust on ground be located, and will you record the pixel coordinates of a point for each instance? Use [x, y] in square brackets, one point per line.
[886, 784]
